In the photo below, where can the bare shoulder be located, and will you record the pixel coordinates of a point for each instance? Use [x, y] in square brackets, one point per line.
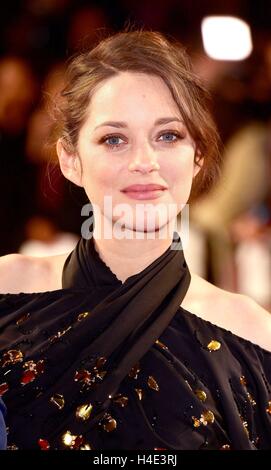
[20, 273]
[234, 312]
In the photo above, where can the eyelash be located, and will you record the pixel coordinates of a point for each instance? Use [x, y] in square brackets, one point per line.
[178, 136]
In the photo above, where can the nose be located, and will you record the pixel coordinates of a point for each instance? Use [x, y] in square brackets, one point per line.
[144, 160]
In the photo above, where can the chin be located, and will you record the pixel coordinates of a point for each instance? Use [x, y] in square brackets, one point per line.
[142, 227]
[146, 218]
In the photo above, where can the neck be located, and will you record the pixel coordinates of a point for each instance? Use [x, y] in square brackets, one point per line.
[130, 254]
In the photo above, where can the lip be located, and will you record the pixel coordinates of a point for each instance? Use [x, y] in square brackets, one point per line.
[144, 191]
[143, 188]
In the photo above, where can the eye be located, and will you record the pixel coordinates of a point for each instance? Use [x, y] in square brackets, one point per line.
[170, 137]
[112, 140]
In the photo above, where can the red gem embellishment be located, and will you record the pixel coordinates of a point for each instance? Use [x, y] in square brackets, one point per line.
[44, 444]
[27, 377]
[3, 388]
[32, 370]
[78, 442]
[40, 367]
[83, 376]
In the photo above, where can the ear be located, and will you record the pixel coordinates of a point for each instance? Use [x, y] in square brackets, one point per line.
[70, 164]
[198, 162]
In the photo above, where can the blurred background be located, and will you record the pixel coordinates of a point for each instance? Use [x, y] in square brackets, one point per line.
[40, 212]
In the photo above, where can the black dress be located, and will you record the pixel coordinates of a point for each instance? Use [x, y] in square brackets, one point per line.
[105, 365]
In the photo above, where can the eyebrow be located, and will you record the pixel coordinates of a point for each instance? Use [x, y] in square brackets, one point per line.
[122, 124]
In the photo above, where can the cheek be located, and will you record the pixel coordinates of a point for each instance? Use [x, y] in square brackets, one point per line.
[180, 177]
[180, 172]
[98, 179]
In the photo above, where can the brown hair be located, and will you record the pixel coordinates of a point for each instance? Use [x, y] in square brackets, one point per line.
[151, 53]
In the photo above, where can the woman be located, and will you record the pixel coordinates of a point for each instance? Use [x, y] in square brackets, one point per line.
[116, 345]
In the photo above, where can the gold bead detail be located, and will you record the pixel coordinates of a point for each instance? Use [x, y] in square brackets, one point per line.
[243, 380]
[162, 345]
[207, 417]
[268, 409]
[214, 345]
[196, 422]
[245, 425]
[251, 399]
[225, 447]
[201, 395]
[68, 439]
[109, 424]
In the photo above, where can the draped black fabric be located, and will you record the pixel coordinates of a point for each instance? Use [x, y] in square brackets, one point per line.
[102, 364]
[3, 435]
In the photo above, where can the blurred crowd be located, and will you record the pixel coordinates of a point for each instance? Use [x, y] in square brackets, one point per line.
[40, 212]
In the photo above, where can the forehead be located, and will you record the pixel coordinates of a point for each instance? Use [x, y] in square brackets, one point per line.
[128, 96]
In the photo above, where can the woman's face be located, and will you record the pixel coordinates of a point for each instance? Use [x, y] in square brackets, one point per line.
[134, 135]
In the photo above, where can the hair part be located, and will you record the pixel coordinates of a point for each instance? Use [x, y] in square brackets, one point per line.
[151, 53]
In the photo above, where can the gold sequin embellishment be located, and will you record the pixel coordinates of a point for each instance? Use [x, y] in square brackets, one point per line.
[201, 395]
[152, 383]
[121, 400]
[58, 400]
[207, 417]
[84, 411]
[82, 316]
[75, 442]
[22, 319]
[134, 371]
[214, 345]
[13, 356]
[139, 393]
[225, 447]
[243, 380]
[109, 424]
